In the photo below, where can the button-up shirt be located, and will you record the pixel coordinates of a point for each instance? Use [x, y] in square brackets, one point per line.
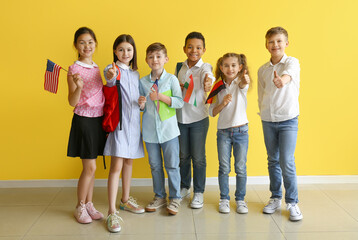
[279, 104]
[153, 129]
[190, 113]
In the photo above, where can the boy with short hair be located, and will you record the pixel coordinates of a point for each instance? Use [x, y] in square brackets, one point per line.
[278, 90]
[196, 79]
[160, 96]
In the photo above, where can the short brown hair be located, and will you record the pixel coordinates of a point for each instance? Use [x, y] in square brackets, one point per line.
[156, 47]
[276, 30]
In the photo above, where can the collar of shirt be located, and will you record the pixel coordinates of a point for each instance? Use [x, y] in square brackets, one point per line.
[161, 76]
[232, 84]
[122, 65]
[82, 64]
[283, 59]
[198, 64]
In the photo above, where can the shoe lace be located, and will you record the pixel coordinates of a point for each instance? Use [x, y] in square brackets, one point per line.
[241, 203]
[294, 207]
[83, 211]
[91, 207]
[224, 203]
[132, 201]
[175, 203]
[115, 218]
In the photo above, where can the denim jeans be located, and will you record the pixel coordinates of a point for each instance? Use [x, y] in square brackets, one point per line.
[238, 140]
[192, 148]
[171, 163]
[280, 141]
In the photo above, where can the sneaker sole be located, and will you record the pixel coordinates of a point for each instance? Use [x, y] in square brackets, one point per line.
[196, 206]
[154, 209]
[171, 211]
[295, 219]
[270, 211]
[132, 211]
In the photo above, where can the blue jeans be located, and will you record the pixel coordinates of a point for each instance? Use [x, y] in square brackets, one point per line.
[171, 162]
[280, 141]
[238, 140]
[192, 148]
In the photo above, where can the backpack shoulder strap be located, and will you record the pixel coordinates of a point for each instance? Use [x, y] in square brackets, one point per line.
[179, 65]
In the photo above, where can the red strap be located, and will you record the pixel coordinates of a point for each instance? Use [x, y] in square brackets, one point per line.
[119, 73]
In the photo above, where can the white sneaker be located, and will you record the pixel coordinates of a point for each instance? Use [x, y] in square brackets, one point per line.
[184, 192]
[224, 206]
[241, 207]
[272, 205]
[198, 201]
[295, 213]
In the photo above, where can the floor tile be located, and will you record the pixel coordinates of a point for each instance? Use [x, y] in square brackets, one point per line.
[153, 236]
[104, 236]
[317, 217]
[59, 220]
[10, 216]
[27, 196]
[322, 235]
[209, 221]
[242, 236]
[159, 222]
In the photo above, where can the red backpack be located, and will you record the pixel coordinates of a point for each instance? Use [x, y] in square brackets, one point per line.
[112, 110]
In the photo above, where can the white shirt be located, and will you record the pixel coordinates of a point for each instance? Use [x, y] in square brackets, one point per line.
[190, 113]
[234, 114]
[279, 104]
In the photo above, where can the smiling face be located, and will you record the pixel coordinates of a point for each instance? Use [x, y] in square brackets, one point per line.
[230, 67]
[156, 60]
[194, 49]
[85, 46]
[276, 45]
[124, 52]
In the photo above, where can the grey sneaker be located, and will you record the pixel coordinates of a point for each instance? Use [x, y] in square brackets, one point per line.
[173, 207]
[272, 205]
[241, 207]
[224, 206]
[155, 204]
[184, 192]
[198, 201]
[295, 212]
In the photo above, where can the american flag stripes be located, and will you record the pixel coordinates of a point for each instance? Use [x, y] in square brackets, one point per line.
[51, 76]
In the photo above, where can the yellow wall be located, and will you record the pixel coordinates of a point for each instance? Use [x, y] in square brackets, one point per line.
[323, 36]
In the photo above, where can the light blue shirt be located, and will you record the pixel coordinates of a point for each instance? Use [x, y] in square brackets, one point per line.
[154, 130]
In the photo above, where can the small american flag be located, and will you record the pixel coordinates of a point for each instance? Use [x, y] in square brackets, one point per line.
[155, 89]
[51, 76]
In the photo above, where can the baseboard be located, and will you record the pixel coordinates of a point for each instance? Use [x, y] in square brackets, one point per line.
[336, 179]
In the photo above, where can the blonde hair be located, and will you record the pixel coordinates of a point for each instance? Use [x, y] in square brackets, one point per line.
[241, 58]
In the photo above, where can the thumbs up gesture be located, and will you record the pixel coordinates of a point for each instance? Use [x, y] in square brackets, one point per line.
[207, 83]
[277, 80]
[245, 79]
[111, 72]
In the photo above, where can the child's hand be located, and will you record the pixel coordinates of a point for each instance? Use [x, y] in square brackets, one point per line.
[181, 86]
[245, 79]
[154, 96]
[141, 101]
[277, 80]
[227, 99]
[77, 79]
[111, 72]
[207, 83]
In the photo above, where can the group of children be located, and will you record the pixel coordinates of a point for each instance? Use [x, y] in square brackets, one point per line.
[176, 121]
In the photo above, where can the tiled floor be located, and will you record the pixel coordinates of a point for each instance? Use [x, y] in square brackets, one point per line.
[330, 212]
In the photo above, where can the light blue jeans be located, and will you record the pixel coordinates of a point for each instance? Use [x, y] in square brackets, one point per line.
[280, 141]
[238, 140]
[192, 148]
[171, 163]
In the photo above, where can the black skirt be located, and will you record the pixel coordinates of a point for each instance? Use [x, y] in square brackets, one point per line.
[87, 138]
